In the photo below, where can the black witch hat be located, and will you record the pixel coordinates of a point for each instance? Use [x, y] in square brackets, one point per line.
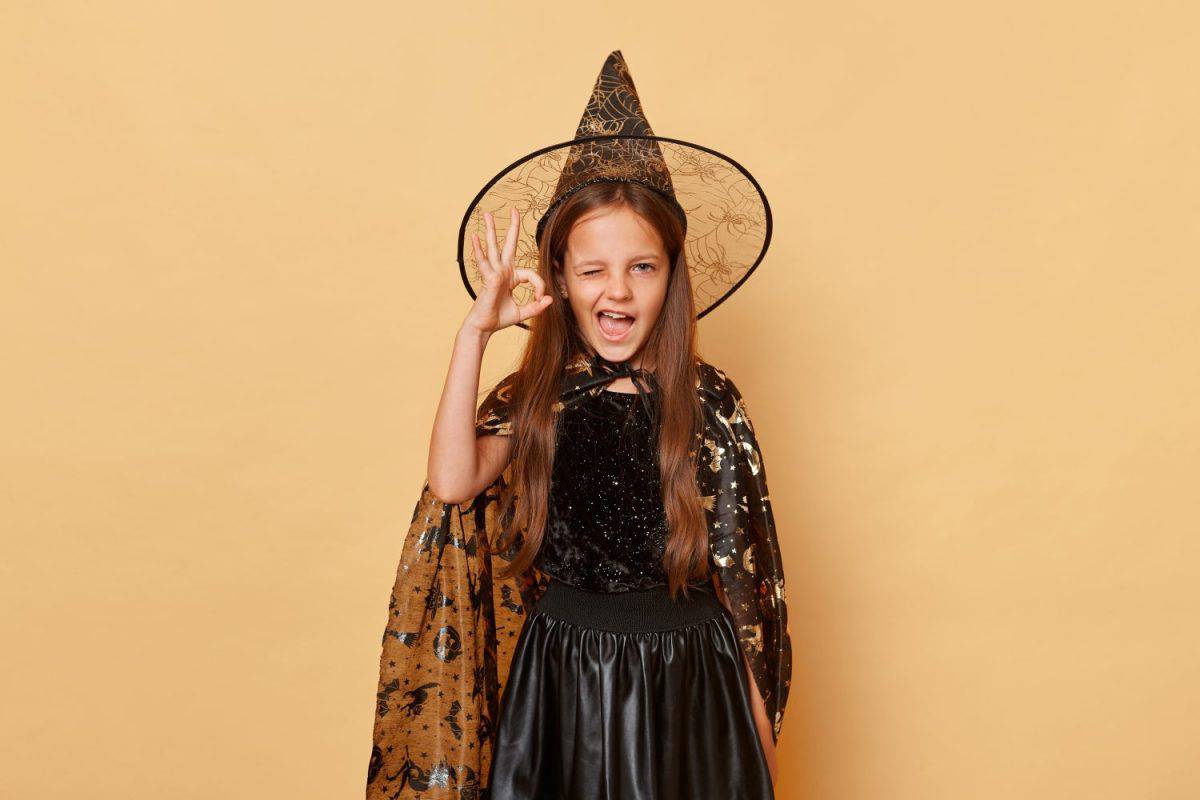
[726, 217]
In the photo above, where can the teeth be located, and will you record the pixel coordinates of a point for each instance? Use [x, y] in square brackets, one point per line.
[614, 315]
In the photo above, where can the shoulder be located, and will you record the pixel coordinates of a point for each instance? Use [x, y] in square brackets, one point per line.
[722, 394]
[494, 416]
[717, 386]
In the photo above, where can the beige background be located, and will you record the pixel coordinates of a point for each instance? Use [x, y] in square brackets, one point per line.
[229, 295]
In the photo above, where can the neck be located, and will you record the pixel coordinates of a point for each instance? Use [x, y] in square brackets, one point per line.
[635, 362]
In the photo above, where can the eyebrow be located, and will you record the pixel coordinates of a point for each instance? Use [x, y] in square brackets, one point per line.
[602, 262]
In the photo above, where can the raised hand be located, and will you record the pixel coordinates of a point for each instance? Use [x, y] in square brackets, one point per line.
[494, 307]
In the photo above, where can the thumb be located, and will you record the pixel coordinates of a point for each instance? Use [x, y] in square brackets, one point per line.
[538, 306]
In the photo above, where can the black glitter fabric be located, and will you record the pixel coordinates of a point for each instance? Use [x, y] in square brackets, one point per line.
[453, 622]
[606, 527]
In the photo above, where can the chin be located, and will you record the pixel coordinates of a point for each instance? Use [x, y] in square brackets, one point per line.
[615, 351]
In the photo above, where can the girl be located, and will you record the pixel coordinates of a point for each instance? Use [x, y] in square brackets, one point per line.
[590, 603]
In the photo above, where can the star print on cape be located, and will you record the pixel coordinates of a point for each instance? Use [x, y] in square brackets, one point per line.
[452, 625]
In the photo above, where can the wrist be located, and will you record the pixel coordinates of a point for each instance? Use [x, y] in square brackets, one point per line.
[469, 333]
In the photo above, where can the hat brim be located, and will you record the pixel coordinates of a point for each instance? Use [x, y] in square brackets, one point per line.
[728, 216]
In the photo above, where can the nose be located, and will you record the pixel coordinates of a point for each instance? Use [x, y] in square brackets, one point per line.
[618, 286]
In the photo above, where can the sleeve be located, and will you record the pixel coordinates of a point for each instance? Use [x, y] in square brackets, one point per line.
[494, 415]
[766, 637]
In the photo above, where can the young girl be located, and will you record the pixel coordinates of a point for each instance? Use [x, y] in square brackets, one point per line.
[590, 603]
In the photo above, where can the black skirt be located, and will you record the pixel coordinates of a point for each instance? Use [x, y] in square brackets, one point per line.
[627, 696]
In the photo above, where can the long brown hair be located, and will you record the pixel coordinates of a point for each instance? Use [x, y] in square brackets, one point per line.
[555, 339]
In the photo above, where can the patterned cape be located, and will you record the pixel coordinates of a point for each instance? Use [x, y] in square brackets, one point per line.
[452, 625]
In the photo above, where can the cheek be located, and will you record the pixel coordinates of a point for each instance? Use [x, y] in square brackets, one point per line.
[582, 300]
[650, 309]
[584, 294]
[656, 296]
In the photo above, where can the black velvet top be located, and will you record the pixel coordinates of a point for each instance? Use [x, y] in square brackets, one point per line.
[606, 527]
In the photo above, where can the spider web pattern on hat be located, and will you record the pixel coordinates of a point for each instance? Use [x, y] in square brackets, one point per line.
[725, 212]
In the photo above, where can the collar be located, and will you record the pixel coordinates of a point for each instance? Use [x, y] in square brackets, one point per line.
[603, 372]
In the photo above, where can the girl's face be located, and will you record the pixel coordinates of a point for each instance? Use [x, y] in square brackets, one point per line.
[615, 262]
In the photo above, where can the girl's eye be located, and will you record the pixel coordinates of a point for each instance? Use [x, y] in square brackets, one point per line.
[642, 264]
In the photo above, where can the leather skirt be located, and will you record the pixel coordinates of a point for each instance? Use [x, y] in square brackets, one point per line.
[627, 696]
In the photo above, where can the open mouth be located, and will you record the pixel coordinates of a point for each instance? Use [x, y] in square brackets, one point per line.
[614, 325]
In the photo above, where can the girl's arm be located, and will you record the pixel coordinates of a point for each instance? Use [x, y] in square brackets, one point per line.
[756, 702]
[461, 465]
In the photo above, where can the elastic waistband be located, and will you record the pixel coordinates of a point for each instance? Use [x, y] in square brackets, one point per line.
[639, 611]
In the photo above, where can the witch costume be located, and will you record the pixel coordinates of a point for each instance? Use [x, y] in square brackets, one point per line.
[582, 677]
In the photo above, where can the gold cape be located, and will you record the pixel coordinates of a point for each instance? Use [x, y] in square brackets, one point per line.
[452, 625]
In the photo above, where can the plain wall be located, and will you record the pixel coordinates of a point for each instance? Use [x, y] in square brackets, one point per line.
[228, 298]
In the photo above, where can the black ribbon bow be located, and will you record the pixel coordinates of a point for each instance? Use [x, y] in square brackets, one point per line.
[643, 380]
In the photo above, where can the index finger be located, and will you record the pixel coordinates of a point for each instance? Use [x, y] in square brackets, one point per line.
[512, 235]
